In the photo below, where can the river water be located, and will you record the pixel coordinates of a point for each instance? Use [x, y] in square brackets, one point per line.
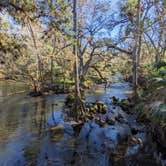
[24, 136]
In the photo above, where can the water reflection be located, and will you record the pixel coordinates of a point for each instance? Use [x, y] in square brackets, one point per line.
[23, 124]
[24, 139]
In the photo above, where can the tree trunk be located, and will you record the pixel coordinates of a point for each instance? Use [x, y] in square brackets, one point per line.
[78, 106]
[52, 77]
[77, 89]
[135, 49]
[38, 61]
[139, 50]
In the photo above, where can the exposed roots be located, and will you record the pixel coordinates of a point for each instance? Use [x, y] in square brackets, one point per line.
[76, 105]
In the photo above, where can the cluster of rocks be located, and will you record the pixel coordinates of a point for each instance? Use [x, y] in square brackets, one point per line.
[106, 129]
[96, 107]
[125, 104]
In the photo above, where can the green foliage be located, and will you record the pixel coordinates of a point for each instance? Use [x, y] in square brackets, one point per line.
[153, 107]
[160, 65]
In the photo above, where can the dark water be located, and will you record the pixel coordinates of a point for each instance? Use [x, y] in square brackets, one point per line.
[25, 140]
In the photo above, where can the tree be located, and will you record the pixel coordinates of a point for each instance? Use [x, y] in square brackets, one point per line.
[92, 21]
[40, 23]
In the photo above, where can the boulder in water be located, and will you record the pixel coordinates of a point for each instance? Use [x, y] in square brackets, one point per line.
[110, 121]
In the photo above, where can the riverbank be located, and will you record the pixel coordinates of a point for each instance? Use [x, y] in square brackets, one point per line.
[151, 110]
[150, 107]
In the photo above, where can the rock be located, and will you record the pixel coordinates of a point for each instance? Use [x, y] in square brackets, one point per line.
[95, 107]
[87, 109]
[101, 107]
[110, 121]
[125, 101]
[100, 122]
[134, 141]
[92, 109]
[115, 100]
[139, 140]
[103, 110]
[112, 111]
[120, 118]
[89, 116]
[134, 131]
[124, 104]
[98, 107]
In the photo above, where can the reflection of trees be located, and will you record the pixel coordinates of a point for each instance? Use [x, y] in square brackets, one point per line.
[40, 118]
[8, 88]
[9, 120]
[31, 152]
[3, 89]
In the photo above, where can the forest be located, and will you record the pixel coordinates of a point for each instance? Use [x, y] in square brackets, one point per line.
[82, 82]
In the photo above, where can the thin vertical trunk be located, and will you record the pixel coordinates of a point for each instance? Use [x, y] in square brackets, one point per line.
[81, 71]
[52, 63]
[77, 89]
[79, 107]
[135, 49]
[38, 62]
[139, 50]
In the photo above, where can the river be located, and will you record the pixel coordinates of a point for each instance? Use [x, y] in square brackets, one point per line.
[24, 124]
